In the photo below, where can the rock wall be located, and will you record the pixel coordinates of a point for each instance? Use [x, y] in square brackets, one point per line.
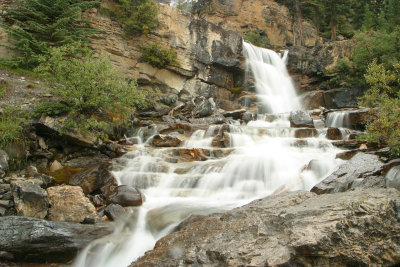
[267, 16]
[208, 55]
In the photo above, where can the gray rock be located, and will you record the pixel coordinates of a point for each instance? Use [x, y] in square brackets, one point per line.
[355, 228]
[126, 196]
[114, 212]
[236, 114]
[247, 116]
[34, 240]
[3, 163]
[29, 198]
[301, 119]
[161, 140]
[393, 178]
[360, 166]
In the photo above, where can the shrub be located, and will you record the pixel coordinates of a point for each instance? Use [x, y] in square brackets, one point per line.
[51, 109]
[91, 87]
[158, 56]
[384, 95]
[11, 121]
[37, 25]
[257, 38]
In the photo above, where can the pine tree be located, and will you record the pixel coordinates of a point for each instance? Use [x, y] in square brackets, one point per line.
[37, 25]
[368, 21]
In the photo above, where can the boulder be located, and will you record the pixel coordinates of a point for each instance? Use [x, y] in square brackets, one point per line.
[114, 212]
[301, 119]
[69, 204]
[343, 97]
[3, 163]
[360, 166]
[247, 116]
[33, 240]
[333, 134]
[392, 178]
[235, 114]
[126, 196]
[161, 140]
[96, 177]
[29, 198]
[355, 228]
[305, 133]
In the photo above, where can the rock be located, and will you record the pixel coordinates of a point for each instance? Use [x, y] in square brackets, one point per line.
[34, 240]
[126, 196]
[31, 171]
[333, 134]
[360, 166]
[45, 180]
[114, 212]
[191, 154]
[3, 163]
[5, 192]
[161, 140]
[359, 118]
[235, 114]
[305, 133]
[247, 116]
[214, 119]
[95, 178]
[301, 119]
[29, 198]
[292, 229]
[55, 166]
[69, 204]
[392, 178]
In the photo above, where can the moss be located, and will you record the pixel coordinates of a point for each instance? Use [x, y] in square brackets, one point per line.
[61, 176]
[237, 90]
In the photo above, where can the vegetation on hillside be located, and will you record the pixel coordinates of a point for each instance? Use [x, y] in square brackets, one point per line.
[38, 25]
[158, 56]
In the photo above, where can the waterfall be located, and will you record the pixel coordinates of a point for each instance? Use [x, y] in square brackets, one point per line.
[255, 160]
[272, 81]
[175, 3]
[338, 119]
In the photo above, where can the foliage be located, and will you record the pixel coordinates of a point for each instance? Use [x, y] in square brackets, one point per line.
[11, 121]
[158, 56]
[137, 16]
[257, 38]
[37, 25]
[91, 88]
[186, 5]
[384, 95]
[51, 109]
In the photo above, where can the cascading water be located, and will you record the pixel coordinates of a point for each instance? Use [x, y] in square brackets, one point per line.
[175, 3]
[256, 160]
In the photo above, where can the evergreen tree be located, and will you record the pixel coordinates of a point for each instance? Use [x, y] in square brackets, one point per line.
[37, 25]
[368, 21]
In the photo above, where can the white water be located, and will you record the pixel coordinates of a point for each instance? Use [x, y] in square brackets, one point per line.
[260, 159]
[273, 83]
[175, 3]
[338, 119]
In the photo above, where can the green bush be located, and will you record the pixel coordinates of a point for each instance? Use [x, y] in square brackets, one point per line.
[158, 56]
[11, 121]
[257, 38]
[384, 95]
[51, 109]
[137, 16]
[37, 25]
[95, 91]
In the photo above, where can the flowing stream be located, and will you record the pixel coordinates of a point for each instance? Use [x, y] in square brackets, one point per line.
[261, 158]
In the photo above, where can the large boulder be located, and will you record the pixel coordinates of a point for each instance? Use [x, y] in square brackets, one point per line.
[27, 239]
[68, 203]
[161, 140]
[355, 228]
[126, 196]
[29, 198]
[301, 119]
[96, 177]
[353, 173]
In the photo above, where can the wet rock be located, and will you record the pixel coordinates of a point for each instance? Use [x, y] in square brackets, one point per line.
[191, 154]
[301, 119]
[126, 196]
[343, 97]
[292, 229]
[392, 178]
[69, 204]
[305, 133]
[97, 177]
[29, 198]
[236, 114]
[346, 155]
[360, 166]
[347, 144]
[247, 116]
[359, 118]
[333, 134]
[35, 240]
[161, 140]
[214, 119]
[97, 200]
[114, 212]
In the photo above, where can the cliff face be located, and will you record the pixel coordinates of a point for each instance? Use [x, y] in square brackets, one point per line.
[208, 55]
[267, 16]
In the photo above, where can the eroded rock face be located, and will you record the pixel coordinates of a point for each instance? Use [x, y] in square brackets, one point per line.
[360, 167]
[68, 203]
[33, 240]
[294, 229]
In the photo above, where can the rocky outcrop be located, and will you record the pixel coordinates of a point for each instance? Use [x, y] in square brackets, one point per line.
[357, 228]
[69, 204]
[273, 21]
[362, 170]
[26, 239]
